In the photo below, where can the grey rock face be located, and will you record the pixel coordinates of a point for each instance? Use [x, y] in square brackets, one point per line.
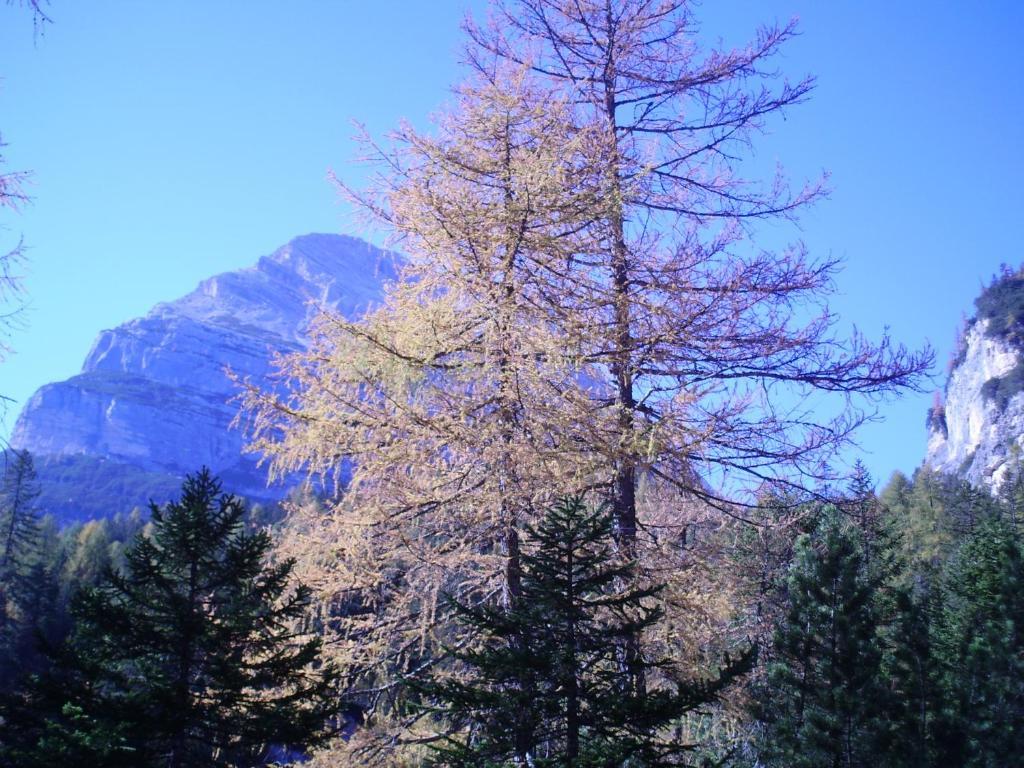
[978, 438]
[154, 395]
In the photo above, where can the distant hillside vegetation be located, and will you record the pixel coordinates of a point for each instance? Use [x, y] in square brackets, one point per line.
[1002, 304]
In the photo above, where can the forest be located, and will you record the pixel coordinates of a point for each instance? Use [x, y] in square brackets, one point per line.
[872, 628]
[579, 498]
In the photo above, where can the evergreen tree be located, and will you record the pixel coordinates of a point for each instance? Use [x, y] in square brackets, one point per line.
[907, 674]
[826, 702]
[190, 656]
[978, 641]
[544, 687]
[922, 510]
[900, 602]
[967, 505]
[22, 576]
[19, 525]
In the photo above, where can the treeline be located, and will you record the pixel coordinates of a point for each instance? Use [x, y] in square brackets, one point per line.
[877, 630]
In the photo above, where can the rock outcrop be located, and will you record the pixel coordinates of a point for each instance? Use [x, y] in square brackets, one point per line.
[153, 400]
[977, 430]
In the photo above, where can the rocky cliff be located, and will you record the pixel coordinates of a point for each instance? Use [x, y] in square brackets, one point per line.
[153, 400]
[976, 430]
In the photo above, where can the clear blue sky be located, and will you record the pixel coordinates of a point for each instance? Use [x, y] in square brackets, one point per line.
[174, 140]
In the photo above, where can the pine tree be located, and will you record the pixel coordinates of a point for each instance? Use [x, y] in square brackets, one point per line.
[191, 655]
[978, 640]
[19, 523]
[907, 674]
[22, 576]
[544, 687]
[826, 702]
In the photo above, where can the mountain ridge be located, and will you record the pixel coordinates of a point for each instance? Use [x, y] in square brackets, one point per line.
[153, 400]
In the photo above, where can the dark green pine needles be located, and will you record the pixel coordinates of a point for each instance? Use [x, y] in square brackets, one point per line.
[191, 656]
[978, 646]
[824, 686]
[26, 585]
[546, 684]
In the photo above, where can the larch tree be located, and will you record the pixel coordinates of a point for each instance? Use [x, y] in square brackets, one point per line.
[714, 350]
[448, 402]
[707, 340]
[40, 17]
[584, 307]
[12, 197]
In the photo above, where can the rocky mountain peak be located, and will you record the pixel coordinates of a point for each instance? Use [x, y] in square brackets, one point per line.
[976, 427]
[153, 400]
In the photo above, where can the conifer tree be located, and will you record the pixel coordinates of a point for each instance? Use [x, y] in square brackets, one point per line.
[22, 575]
[903, 600]
[907, 672]
[582, 308]
[978, 641]
[695, 326]
[967, 505]
[861, 502]
[1011, 489]
[543, 686]
[449, 400]
[18, 519]
[192, 656]
[826, 702]
[935, 513]
[90, 553]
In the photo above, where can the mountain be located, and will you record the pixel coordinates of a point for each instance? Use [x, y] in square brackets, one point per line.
[153, 400]
[976, 428]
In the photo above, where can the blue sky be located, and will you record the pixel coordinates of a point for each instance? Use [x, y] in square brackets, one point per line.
[171, 141]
